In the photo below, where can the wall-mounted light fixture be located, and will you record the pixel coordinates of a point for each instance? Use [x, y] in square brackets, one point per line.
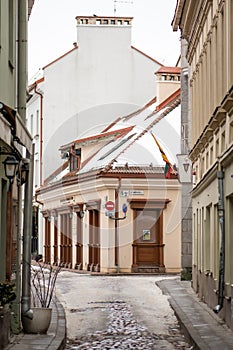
[81, 213]
[15, 166]
[23, 171]
[10, 167]
[186, 165]
[185, 168]
[54, 214]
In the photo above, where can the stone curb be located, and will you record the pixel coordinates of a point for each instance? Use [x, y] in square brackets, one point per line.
[187, 328]
[59, 340]
[213, 334]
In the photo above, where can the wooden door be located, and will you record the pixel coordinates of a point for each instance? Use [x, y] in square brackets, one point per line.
[79, 244]
[148, 241]
[94, 241]
[47, 245]
[55, 246]
[66, 241]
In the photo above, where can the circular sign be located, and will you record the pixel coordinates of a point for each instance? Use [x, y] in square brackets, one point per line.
[109, 206]
[124, 208]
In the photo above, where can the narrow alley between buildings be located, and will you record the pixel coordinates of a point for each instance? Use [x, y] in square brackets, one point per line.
[117, 312]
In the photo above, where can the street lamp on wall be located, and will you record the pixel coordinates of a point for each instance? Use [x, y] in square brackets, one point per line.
[15, 168]
[185, 168]
[10, 167]
[23, 171]
[186, 165]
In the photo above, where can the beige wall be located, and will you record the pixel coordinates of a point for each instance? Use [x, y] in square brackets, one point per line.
[207, 26]
[210, 49]
[103, 190]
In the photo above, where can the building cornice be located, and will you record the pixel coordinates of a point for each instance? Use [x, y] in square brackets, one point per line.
[208, 177]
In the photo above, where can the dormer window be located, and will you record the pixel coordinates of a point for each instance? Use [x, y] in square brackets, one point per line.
[75, 159]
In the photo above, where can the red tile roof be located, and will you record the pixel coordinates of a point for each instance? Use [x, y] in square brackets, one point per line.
[133, 171]
[116, 133]
[33, 85]
[138, 111]
[169, 100]
[171, 70]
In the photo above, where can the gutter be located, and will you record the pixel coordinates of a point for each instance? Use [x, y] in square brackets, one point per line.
[22, 58]
[26, 310]
[41, 131]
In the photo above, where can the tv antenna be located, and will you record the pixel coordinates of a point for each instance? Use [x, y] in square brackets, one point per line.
[123, 2]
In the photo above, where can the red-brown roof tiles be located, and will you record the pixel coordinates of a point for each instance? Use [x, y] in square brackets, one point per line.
[116, 133]
[167, 70]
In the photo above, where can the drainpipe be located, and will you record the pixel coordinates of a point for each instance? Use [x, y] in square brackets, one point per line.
[221, 217]
[27, 229]
[117, 224]
[22, 58]
[16, 305]
[41, 131]
[37, 200]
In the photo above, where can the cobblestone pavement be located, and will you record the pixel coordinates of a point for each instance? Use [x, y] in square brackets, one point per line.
[117, 312]
[124, 332]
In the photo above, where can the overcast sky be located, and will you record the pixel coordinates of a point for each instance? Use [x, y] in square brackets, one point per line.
[52, 27]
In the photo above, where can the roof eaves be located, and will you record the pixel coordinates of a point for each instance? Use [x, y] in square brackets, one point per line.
[178, 14]
[111, 125]
[36, 83]
[144, 54]
[60, 57]
[138, 111]
[56, 172]
[115, 133]
[168, 100]
[174, 102]
[128, 116]
[166, 69]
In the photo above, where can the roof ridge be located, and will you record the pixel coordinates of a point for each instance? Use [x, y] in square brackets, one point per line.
[148, 104]
[168, 100]
[108, 133]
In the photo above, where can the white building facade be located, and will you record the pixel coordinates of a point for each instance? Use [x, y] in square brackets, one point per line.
[102, 77]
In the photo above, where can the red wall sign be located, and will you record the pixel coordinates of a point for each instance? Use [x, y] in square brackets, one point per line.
[109, 206]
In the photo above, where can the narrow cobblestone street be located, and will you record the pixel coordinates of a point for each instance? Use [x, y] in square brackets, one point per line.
[117, 312]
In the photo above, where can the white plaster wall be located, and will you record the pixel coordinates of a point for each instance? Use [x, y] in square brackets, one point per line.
[33, 108]
[92, 85]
